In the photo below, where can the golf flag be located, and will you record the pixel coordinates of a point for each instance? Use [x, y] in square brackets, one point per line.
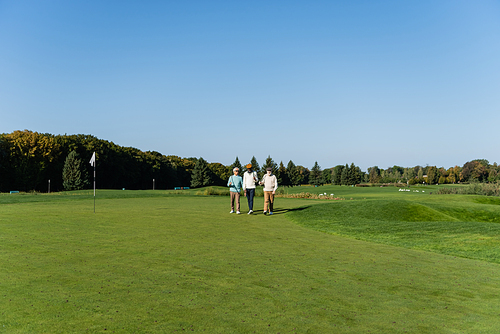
[92, 163]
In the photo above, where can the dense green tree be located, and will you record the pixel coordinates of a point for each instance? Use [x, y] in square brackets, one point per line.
[220, 173]
[201, 175]
[316, 175]
[344, 177]
[270, 163]
[282, 176]
[337, 174]
[236, 163]
[374, 173]
[74, 175]
[354, 175]
[293, 174]
[304, 174]
[432, 175]
[256, 167]
[327, 175]
[30, 155]
[420, 173]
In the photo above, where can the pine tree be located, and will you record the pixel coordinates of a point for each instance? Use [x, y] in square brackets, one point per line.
[327, 175]
[270, 163]
[344, 177]
[201, 174]
[316, 175]
[236, 163]
[255, 165]
[74, 176]
[353, 175]
[292, 173]
[282, 176]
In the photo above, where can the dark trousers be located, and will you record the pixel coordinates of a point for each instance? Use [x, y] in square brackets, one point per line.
[250, 195]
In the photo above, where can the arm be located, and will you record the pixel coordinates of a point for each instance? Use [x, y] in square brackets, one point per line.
[275, 184]
[245, 181]
[229, 181]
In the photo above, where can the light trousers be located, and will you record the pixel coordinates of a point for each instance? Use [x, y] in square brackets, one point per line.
[268, 201]
[235, 196]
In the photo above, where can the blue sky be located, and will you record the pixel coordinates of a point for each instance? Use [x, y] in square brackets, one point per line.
[371, 82]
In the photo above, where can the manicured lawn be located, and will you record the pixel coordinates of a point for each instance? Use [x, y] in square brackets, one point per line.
[153, 262]
[461, 225]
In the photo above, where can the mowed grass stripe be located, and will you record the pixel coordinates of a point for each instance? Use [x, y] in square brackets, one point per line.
[167, 264]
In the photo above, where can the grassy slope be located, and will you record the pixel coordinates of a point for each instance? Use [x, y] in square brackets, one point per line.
[165, 264]
[467, 226]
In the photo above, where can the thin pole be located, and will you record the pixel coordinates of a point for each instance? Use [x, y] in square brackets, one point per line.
[94, 187]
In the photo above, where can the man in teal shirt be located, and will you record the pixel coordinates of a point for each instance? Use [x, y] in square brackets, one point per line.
[235, 183]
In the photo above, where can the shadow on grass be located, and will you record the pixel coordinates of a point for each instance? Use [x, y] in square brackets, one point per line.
[282, 211]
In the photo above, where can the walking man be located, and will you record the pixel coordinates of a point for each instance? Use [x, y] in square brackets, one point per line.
[270, 185]
[249, 179]
[235, 183]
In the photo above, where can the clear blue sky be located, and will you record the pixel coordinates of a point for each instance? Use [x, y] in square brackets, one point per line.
[371, 82]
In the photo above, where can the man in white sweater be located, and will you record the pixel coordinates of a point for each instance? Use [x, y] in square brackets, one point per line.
[249, 179]
[270, 185]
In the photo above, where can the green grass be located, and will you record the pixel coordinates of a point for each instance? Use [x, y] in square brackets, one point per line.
[467, 226]
[153, 262]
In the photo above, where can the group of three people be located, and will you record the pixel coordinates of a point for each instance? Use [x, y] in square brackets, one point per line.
[248, 184]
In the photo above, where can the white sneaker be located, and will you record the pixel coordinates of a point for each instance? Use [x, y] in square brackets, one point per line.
[265, 212]
[232, 211]
[250, 212]
[238, 212]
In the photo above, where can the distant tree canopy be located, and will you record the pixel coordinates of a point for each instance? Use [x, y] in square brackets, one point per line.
[29, 159]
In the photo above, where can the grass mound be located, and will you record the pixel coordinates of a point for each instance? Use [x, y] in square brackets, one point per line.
[463, 228]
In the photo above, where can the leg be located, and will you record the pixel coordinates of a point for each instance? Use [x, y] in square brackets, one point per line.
[232, 199]
[271, 202]
[237, 196]
[266, 200]
[250, 195]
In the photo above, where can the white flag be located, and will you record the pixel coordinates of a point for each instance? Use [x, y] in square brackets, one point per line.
[92, 160]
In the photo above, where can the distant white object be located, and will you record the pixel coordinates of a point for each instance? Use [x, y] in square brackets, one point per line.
[423, 191]
[331, 194]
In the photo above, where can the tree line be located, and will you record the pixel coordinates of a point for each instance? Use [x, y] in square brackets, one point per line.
[28, 160]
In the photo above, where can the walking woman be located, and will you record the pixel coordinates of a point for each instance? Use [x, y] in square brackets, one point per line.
[235, 183]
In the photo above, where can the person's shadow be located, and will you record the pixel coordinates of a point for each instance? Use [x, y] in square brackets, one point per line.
[282, 211]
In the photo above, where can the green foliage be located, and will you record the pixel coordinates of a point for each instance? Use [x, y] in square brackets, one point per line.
[293, 174]
[202, 175]
[269, 163]
[282, 175]
[486, 189]
[74, 175]
[255, 166]
[374, 173]
[327, 175]
[316, 175]
[236, 163]
[344, 177]
[337, 174]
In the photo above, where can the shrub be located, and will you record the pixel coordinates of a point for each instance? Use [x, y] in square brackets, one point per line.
[486, 189]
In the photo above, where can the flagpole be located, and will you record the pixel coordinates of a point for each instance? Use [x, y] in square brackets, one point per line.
[94, 187]
[92, 163]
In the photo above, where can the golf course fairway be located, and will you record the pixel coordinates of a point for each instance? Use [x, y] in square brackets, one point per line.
[158, 262]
